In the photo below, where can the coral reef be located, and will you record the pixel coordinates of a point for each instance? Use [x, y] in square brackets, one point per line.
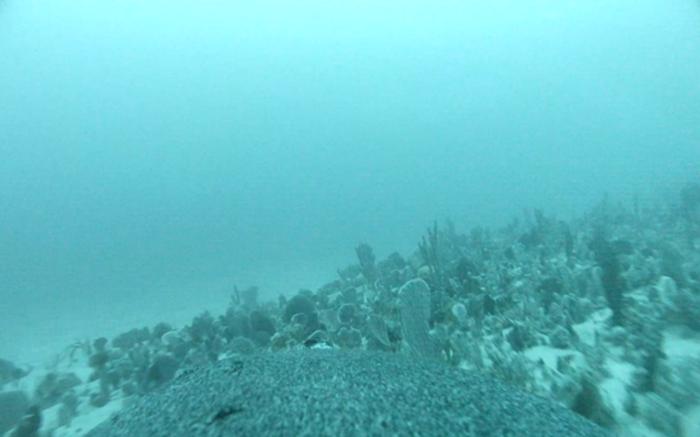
[600, 314]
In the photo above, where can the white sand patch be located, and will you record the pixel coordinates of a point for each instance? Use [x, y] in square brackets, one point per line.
[550, 355]
[593, 326]
[680, 343]
[691, 421]
[620, 371]
[88, 418]
[614, 389]
[635, 428]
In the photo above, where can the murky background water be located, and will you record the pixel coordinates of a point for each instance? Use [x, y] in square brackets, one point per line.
[152, 155]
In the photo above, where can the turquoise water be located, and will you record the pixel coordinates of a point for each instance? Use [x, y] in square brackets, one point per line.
[154, 154]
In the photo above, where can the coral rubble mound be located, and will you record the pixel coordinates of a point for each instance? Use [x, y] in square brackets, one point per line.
[332, 392]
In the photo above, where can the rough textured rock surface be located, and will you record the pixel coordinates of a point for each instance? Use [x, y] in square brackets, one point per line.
[327, 392]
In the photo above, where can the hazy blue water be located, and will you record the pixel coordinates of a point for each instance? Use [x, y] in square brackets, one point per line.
[155, 153]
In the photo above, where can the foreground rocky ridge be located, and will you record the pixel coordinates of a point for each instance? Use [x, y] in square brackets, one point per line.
[601, 314]
[340, 393]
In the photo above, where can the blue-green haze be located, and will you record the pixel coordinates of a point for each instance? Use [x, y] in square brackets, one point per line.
[153, 154]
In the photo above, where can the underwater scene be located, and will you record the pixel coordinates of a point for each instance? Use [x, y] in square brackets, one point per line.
[325, 218]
